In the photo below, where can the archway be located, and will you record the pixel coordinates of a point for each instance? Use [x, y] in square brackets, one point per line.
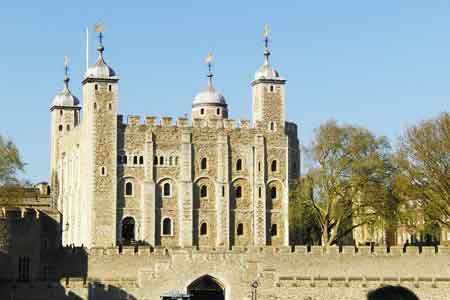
[206, 288]
[128, 230]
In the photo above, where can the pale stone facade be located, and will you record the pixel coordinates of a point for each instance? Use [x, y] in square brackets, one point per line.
[209, 182]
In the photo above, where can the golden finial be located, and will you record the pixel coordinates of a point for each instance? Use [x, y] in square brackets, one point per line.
[266, 31]
[99, 27]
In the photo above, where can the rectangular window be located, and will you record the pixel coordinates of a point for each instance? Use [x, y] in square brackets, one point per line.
[223, 191]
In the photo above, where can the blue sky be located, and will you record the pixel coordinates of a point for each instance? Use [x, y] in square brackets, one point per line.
[381, 64]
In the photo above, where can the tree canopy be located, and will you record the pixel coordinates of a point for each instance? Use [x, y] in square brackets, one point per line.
[10, 162]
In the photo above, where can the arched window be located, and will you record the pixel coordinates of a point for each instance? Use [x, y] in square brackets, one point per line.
[273, 192]
[204, 163]
[167, 189]
[96, 87]
[128, 230]
[273, 230]
[161, 160]
[259, 166]
[125, 159]
[60, 112]
[239, 165]
[273, 166]
[204, 191]
[103, 171]
[167, 226]
[141, 160]
[202, 111]
[240, 229]
[129, 189]
[204, 229]
[60, 128]
[218, 111]
[176, 161]
[135, 160]
[155, 160]
[271, 88]
[238, 191]
[272, 126]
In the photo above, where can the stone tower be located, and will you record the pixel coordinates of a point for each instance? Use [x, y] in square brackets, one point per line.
[268, 93]
[100, 94]
[65, 116]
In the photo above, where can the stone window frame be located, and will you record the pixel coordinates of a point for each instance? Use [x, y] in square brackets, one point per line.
[204, 159]
[274, 230]
[241, 165]
[204, 225]
[128, 181]
[272, 126]
[103, 171]
[203, 190]
[274, 166]
[240, 230]
[171, 226]
[163, 190]
[136, 228]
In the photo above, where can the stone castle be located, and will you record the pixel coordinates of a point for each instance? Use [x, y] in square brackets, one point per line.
[209, 183]
[200, 208]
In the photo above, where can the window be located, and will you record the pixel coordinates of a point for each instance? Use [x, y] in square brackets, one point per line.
[129, 189]
[141, 160]
[68, 127]
[271, 88]
[167, 226]
[161, 160]
[273, 192]
[176, 161]
[239, 165]
[128, 230]
[60, 128]
[124, 159]
[240, 229]
[60, 112]
[204, 163]
[259, 192]
[273, 230]
[238, 191]
[95, 105]
[24, 268]
[110, 106]
[204, 191]
[96, 87]
[204, 229]
[273, 166]
[167, 189]
[155, 160]
[223, 191]
[272, 126]
[202, 111]
[109, 88]
[259, 166]
[170, 161]
[135, 160]
[103, 171]
[218, 111]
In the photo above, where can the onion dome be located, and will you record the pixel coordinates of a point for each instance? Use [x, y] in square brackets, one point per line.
[65, 97]
[266, 71]
[100, 69]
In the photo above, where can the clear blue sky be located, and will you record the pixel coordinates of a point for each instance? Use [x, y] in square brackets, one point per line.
[380, 64]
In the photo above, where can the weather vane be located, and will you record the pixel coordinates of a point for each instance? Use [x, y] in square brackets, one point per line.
[208, 60]
[266, 34]
[99, 29]
[66, 65]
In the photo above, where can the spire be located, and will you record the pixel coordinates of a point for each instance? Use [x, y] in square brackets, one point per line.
[66, 74]
[100, 48]
[208, 61]
[266, 35]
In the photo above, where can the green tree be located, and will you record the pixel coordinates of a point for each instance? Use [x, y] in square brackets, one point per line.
[424, 162]
[349, 183]
[10, 162]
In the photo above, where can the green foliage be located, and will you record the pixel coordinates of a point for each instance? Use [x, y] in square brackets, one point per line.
[424, 161]
[350, 182]
[10, 162]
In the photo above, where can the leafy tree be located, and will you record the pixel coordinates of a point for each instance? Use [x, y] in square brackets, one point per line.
[10, 162]
[350, 182]
[424, 162]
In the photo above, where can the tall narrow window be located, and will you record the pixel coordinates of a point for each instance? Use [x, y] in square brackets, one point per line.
[271, 88]
[223, 191]
[125, 159]
[204, 229]
[273, 192]
[68, 127]
[96, 87]
[240, 229]
[60, 112]
[176, 161]
[272, 126]
[204, 163]
[170, 161]
[103, 171]
[204, 191]
[60, 128]
[95, 105]
[135, 160]
[110, 106]
[161, 160]
[239, 165]
[128, 230]
[167, 189]
[167, 226]
[218, 111]
[109, 88]
[128, 189]
[238, 191]
[259, 192]
[259, 166]
[202, 111]
[273, 166]
[155, 160]
[273, 230]
[141, 160]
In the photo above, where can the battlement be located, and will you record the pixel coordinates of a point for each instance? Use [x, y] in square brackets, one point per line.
[139, 250]
[184, 122]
